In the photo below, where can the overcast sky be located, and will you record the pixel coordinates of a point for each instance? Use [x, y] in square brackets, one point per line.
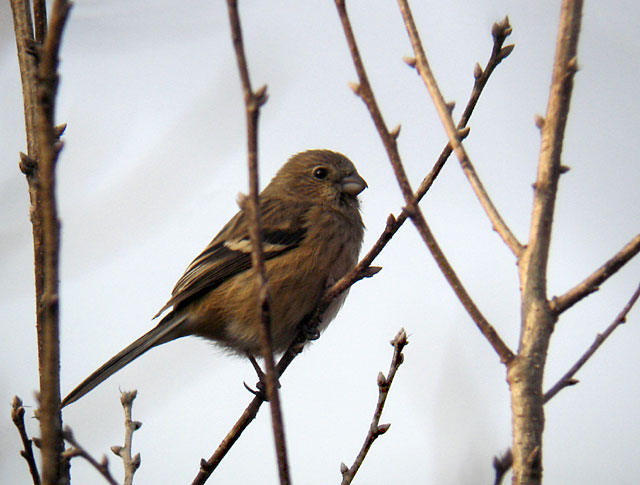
[154, 159]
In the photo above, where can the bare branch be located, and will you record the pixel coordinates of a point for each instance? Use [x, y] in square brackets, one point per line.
[422, 65]
[40, 20]
[25, 42]
[567, 379]
[545, 188]
[366, 94]
[592, 282]
[101, 466]
[131, 464]
[17, 416]
[526, 374]
[501, 464]
[40, 54]
[253, 101]
[376, 429]
[394, 223]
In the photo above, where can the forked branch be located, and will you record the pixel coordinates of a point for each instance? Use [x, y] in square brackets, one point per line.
[526, 375]
[500, 32]
[365, 92]
[567, 379]
[444, 111]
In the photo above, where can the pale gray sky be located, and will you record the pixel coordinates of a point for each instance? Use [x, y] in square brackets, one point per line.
[154, 158]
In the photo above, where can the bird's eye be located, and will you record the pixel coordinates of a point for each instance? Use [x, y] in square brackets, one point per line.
[321, 173]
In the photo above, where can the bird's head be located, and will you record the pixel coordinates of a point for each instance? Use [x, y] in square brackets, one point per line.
[321, 175]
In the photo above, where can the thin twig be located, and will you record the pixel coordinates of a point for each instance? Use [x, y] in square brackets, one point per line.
[592, 283]
[364, 91]
[444, 111]
[253, 101]
[376, 429]
[567, 379]
[208, 466]
[17, 416]
[131, 464]
[101, 466]
[40, 20]
[25, 42]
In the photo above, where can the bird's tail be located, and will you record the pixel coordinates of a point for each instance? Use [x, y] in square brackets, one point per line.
[162, 333]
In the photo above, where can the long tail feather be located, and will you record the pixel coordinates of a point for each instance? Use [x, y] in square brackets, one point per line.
[164, 332]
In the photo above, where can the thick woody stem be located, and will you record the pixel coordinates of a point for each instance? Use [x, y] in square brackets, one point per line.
[525, 374]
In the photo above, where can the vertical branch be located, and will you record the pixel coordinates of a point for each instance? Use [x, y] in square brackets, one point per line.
[38, 59]
[40, 20]
[47, 308]
[526, 373]
[131, 462]
[25, 43]
[253, 101]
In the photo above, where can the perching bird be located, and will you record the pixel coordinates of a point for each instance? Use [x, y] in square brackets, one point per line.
[312, 234]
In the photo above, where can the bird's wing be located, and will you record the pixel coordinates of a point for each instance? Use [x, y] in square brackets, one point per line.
[229, 254]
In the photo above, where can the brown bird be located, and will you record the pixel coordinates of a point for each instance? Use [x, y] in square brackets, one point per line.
[312, 235]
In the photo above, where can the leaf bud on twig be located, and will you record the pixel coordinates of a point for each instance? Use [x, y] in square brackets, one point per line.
[409, 61]
[261, 95]
[505, 51]
[477, 71]
[464, 132]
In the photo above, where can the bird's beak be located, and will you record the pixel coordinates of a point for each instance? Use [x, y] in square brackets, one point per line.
[353, 184]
